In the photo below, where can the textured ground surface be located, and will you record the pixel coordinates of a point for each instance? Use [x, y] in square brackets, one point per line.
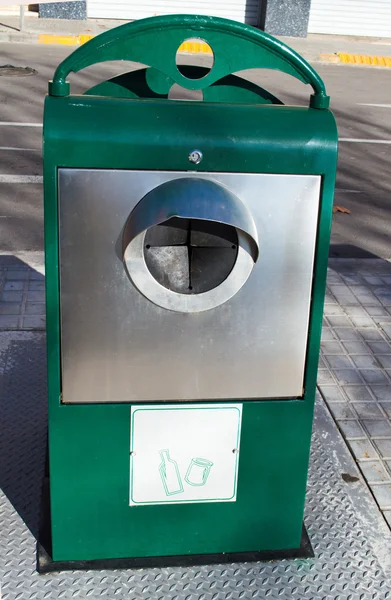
[355, 369]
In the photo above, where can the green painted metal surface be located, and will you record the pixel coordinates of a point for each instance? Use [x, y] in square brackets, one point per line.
[228, 89]
[155, 42]
[90, 494]
[89, 445]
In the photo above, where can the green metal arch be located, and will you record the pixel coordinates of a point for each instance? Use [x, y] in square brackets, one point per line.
[155, 42]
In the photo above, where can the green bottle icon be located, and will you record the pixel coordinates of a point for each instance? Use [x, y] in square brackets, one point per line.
[169, 474]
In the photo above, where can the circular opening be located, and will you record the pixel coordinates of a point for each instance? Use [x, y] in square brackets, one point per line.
[190, 256]
[199, 258]
[190, 49]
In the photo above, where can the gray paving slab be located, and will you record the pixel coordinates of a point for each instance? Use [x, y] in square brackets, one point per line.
[22, 296]
[355, 374]
[374, 472]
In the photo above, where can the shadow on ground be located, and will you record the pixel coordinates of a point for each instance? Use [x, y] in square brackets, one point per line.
[23, 421]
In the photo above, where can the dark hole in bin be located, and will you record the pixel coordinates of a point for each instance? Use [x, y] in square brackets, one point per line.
[190, 256]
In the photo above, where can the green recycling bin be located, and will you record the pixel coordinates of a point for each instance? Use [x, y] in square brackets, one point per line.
[186, 255]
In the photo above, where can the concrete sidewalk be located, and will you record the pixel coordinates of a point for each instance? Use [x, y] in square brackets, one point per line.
[354, 374]
[316, 47]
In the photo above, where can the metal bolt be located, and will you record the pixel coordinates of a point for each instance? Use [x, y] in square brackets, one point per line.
[195, 156]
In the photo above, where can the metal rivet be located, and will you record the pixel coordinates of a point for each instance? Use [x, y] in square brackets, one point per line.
[195, 157]
[235, 451]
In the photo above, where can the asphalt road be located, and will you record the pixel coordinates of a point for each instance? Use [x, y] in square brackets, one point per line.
[357, 93]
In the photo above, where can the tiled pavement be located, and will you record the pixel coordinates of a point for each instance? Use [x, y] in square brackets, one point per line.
[22, 296]
[355, 366]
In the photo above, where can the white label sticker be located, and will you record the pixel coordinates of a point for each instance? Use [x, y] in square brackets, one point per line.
[181, 454]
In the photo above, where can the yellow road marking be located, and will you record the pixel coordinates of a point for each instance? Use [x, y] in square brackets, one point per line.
[357, 59]
[65, 40]
[77, 40]
[195, 47]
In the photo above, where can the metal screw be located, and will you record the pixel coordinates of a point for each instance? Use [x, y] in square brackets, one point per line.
[235, 451]
[195, 156]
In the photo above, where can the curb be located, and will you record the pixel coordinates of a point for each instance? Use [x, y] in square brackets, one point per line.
[204, 48]
[195, 47]
[64, 40]
[365, 60]
[78, 40]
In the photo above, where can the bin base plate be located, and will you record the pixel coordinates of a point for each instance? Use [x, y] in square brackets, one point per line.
[45, 564]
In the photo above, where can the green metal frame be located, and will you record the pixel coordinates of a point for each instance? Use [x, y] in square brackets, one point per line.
[155, 42]
[89, 444]
[230, 89]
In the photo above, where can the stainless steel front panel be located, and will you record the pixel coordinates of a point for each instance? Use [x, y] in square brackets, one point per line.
[117, 346]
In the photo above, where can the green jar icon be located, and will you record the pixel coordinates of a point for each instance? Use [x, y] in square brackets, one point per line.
[198, 471]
